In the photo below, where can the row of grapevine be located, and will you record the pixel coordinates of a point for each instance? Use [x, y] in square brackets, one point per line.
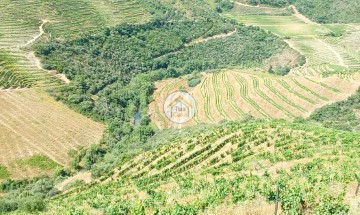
[230, 95]
[309, 90]
[269, 85]
[290, 89]
[206, 97]
[262, 152]
[218, 99]
[262, 95]
[244, 93]
[267, 98]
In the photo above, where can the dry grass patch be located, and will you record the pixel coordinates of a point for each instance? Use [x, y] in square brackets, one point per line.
[33, 124]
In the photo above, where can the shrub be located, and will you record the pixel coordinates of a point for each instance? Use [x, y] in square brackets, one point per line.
[282, 70]
[32, 204]
[223, 5]
[7, 205]
[194, 82]
[4, 173]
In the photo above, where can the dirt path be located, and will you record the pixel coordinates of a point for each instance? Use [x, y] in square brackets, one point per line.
[302, 17]
[36, 61]
[202, 40]
[199, 40]
[257, 6]
[82, 176]
[44, 21]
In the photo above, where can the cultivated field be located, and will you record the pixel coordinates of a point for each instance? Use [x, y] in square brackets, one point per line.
[25, 23]
[331, 73]
[329, 49]
[232, 94]
[32, 123]
[21, 20]
[234, 167]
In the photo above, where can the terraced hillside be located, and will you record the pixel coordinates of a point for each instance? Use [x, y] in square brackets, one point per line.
[25, 23]
[329, 49]
[233, 168]
[32, 123]
[233, 94]
[21, 20]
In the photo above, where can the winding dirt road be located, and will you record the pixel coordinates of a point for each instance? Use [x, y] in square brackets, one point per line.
[36, 61]
[302, 17]
[39, 35]
[202, 40]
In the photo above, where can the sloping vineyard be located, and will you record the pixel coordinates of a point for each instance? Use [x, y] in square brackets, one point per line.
[329, 49]
[17, 71]
[54, 19]
[230, 95]
[64, 21]
[233, 163]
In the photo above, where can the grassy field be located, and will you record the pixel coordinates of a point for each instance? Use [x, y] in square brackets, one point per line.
[39, 162]
[4, 172]
[33, 124]
[244, 9]
[232, 168]
[230, 95]
[288, 25]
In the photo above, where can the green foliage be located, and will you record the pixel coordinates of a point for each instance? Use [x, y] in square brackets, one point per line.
[4, 172]
[119, 208]
[121, 64]
[282, 70]
[302, 60]
[26, 195]
[330, 11]
[7, 205]
[340, 115]
[194, 80]
[39, 161]
[31, 205]
[223, 5]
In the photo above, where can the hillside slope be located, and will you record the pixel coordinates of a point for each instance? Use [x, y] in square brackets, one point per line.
[329, 11]
[234, 166]
[32, 124]
[340, 115]
[232, 94]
